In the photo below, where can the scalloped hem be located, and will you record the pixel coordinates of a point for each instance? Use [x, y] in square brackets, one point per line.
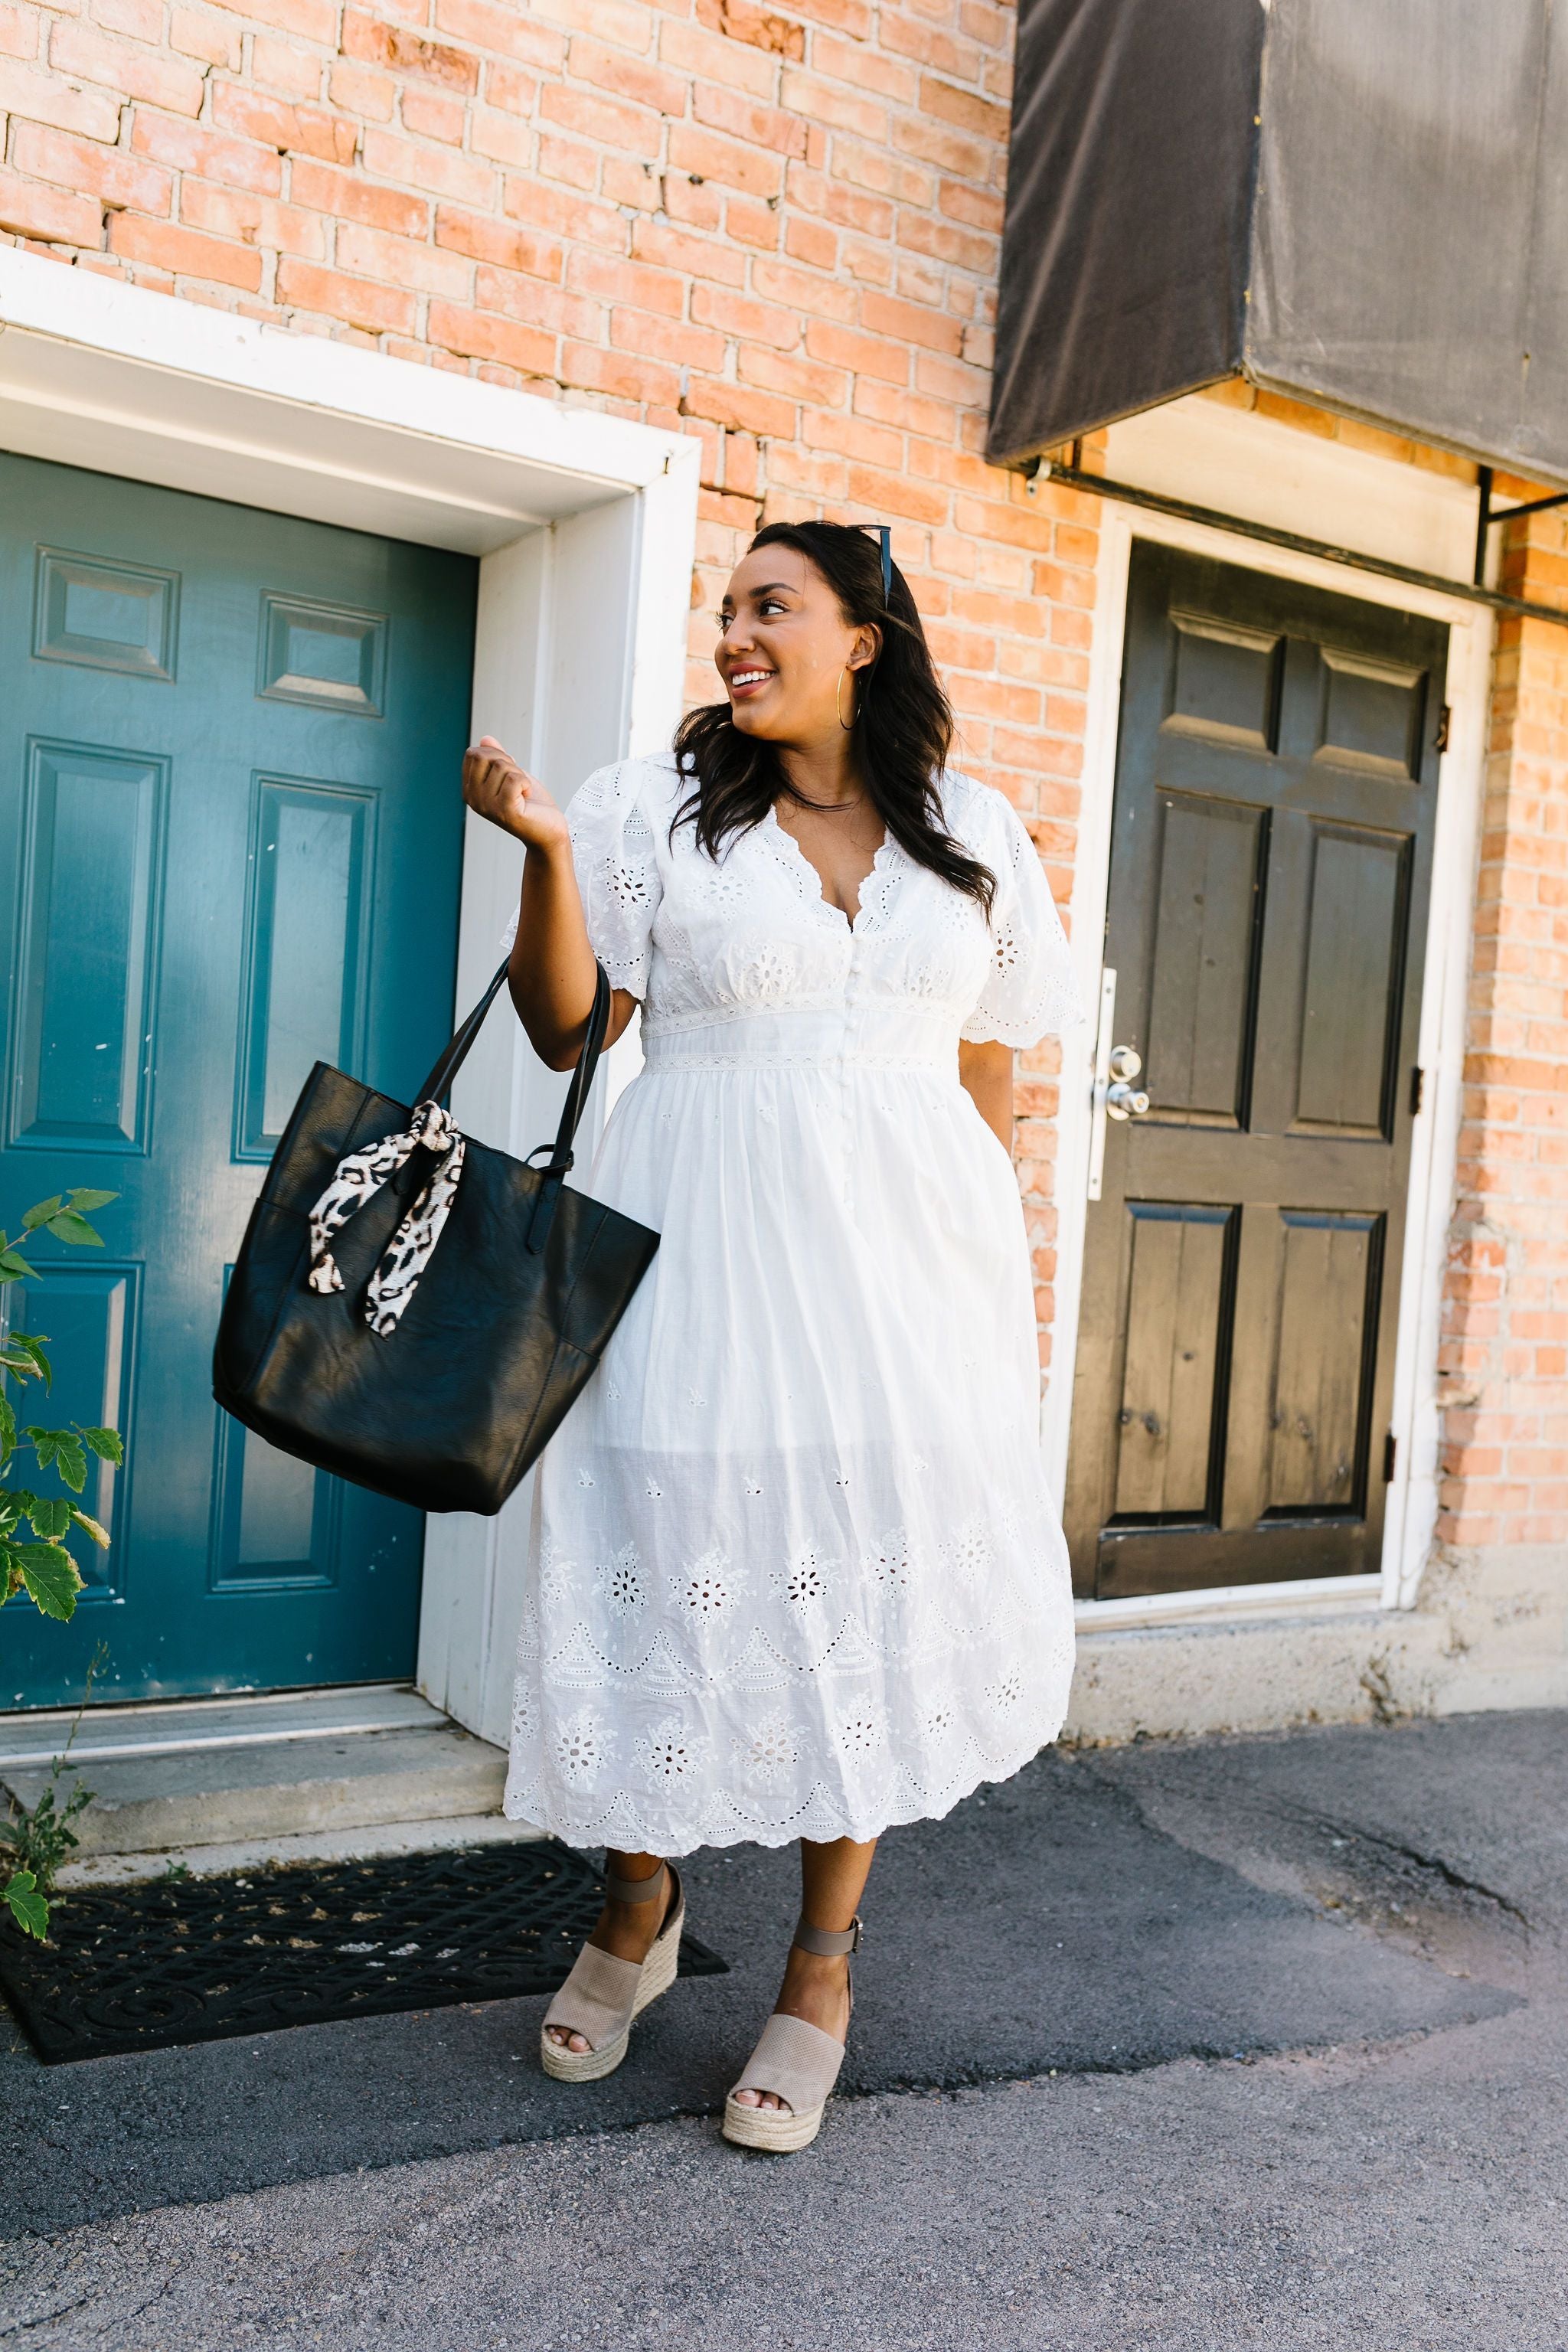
[671, 1840]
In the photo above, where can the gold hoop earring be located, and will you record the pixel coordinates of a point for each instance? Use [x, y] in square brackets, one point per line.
[839, 703]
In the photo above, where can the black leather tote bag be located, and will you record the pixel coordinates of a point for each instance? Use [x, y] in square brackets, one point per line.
[411, 1310]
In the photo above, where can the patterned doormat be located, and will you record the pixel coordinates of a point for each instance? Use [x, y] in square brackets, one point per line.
[199, 1959]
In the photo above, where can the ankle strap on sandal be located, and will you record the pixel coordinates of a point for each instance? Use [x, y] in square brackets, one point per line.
[828, 1942]
[634, 1890]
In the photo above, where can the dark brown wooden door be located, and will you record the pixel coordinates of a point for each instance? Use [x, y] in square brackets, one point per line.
[1276, 799]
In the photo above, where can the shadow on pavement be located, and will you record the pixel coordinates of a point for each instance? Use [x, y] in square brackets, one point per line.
[1084, 1917]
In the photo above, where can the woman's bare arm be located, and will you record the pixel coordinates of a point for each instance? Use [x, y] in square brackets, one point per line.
[985, 1073]
[551, 971]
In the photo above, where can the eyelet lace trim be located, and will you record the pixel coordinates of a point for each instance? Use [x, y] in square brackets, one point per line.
[877, 891]
[705, 1727]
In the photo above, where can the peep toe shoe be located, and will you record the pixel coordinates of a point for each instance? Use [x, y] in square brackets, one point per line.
[603, 1994]
[794, 2061]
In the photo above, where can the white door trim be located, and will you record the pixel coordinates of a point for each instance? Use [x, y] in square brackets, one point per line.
[585, 527]
[126, 381]
[1215, 461]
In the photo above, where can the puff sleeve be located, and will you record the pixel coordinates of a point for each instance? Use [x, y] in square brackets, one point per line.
[614, 858]
[1031, 990]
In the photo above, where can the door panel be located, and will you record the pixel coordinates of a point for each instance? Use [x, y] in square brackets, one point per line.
[1350, 996]
[1270, 868]
[1319, 1389]
[1224, 681]
[227, 792]
[1370, 714]
[1175, 1326]
[91, 886]
[307, 930]
[104, 616]
[276, 1520]
[1200, 993]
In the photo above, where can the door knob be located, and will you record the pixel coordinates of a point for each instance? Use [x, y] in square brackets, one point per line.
[1112, 1095]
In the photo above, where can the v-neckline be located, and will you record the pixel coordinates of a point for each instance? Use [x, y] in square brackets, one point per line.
[793, 851]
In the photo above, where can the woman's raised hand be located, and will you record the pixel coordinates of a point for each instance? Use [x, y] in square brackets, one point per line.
[495, 787]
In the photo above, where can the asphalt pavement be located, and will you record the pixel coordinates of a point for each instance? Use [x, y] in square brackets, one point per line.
[1212, 2044]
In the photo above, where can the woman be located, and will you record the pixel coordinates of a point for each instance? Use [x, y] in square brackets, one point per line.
[794, 1572]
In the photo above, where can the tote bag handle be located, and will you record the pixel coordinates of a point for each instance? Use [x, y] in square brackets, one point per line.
[438, 1085]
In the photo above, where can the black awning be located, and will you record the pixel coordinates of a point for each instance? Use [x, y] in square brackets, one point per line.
[1361, 203]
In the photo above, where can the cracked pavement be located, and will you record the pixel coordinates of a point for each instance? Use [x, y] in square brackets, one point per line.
[1377, 1914]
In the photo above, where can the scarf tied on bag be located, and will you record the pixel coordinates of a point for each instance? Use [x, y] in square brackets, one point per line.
[412, 1246]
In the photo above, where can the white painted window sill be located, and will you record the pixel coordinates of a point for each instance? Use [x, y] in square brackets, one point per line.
[1320, 1596]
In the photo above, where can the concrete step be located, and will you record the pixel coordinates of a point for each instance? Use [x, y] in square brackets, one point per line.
[249, 1719]
[367, 1844]
[175, 1790]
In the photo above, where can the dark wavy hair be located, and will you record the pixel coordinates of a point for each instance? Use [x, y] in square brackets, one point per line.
[903, 727]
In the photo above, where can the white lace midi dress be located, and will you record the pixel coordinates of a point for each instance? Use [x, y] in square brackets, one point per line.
[793, 1569]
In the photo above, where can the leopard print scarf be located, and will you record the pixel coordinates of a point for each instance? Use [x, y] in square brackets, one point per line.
[410, 1250]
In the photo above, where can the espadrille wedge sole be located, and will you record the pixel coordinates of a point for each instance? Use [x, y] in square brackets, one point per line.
[794, 2060]
[603, 1995]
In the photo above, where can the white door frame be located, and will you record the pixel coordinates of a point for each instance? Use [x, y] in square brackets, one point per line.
[585, 527]
[1267, 472]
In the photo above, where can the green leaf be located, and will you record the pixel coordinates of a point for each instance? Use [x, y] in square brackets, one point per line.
[68, 1226]
[50, 1518]
[91, 1527]
[51, 1577]
[26, 1906]
[13, 1266]
[8, 1427]
[62, 1450]
[23, 1352]
[105, 1444]
[84, 1199]
[41, 1212]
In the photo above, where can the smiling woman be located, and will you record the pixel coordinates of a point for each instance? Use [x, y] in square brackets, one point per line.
[835, 711]
[795, 1571]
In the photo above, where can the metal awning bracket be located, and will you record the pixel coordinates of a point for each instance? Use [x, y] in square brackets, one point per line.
[1487, 515]
[1072, 477]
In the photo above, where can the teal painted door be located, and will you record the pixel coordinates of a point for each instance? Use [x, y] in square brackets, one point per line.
[229, 755]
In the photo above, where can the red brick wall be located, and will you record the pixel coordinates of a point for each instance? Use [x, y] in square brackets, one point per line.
[774, 228]
[1504, 1361]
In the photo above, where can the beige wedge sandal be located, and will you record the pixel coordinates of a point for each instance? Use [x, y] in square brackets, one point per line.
[603, 1995]
[794, 2061]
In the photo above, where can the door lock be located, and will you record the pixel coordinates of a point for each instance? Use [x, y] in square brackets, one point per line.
[1124, 1101]
[1113, 1094]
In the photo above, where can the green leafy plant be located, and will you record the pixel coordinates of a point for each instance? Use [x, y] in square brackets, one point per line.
[44, 1568]
[41, 1836]
[40, 1840]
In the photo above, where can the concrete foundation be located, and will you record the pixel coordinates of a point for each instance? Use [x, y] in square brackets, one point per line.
[1489, 1628]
